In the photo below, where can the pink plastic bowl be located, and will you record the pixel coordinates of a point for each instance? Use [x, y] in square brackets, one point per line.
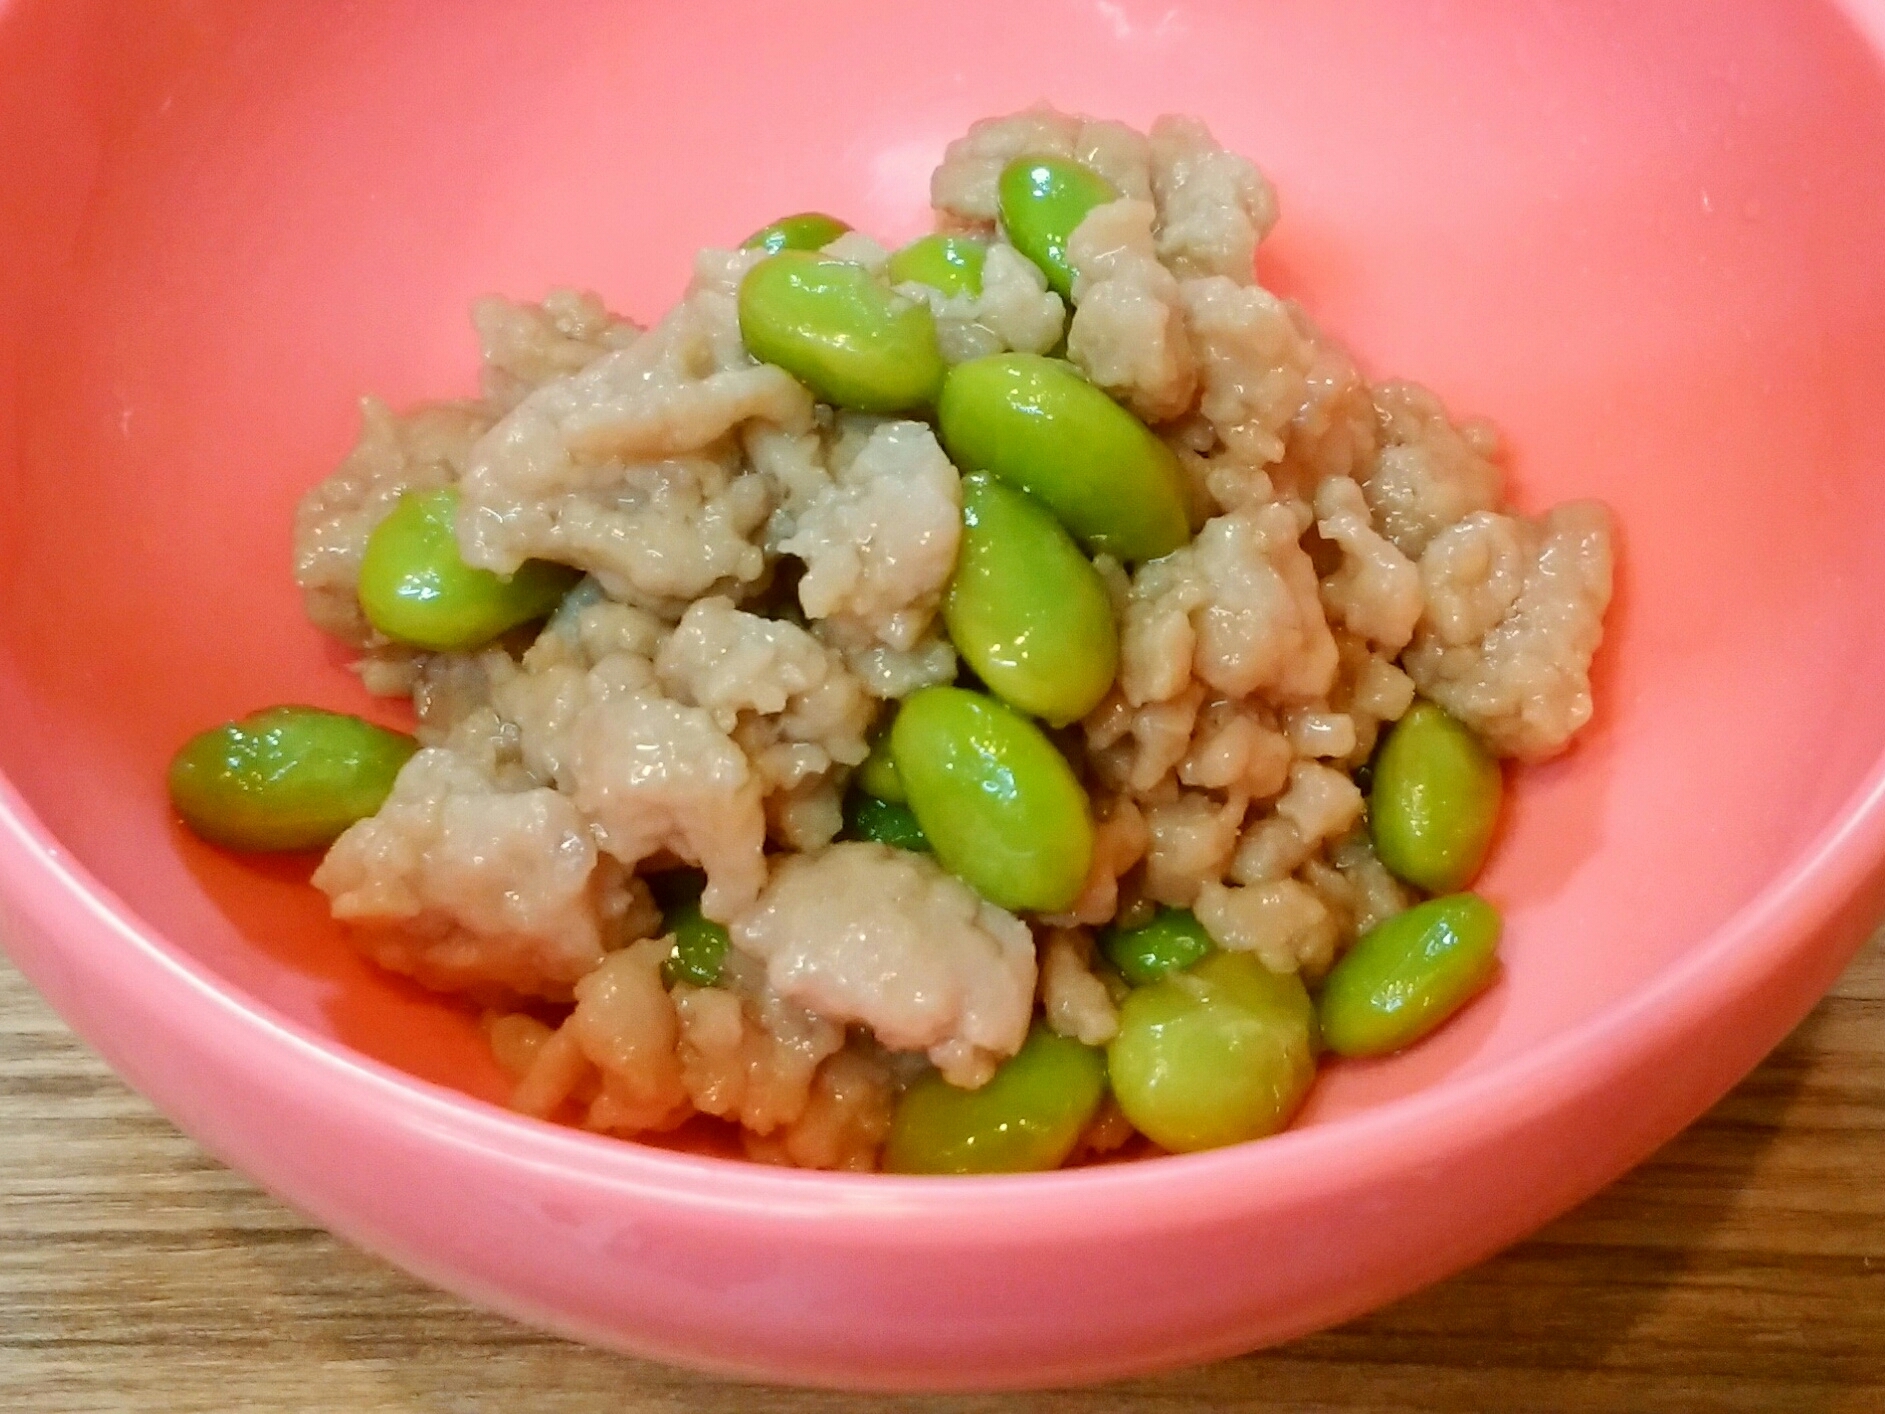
[1649, 239]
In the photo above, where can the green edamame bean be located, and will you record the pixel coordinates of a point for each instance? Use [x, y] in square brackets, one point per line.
[952, 264]
[700, 946]
[1173, 940]
[808, 230]
[842, 332]
[885, 821]
[878, 775]
[1026, 1119]
[1408, 974]
[416, 589]
[1038, 425]
[999, 804]
[1042, 200]
[1222, 1053]
[1025, 609]
[285, 778]
[1434, 802]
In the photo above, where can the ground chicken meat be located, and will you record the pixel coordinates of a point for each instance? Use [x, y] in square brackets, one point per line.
[1381, 691]
[746, 1053]
[1472, 573]
[1334, 432]
[1191, 840]
[1312, 731]
[870, 934]
[1285, 923]
[1214, 206]
[845, 1119]
[1523, 683]
[448, 687]
[1135, 748]
[678, 388]
[588, 627]
[649, 774]
[465, 886]
[1238, 607]
[620, 469]
[795, 465]
[879, 543]
[1320, 802]
[854, 247]
[1368, 892]
[1075, 1001]
[892, 672]
[653, 775]
[658, 534]
[1128, 331]
[1235, 746]
[1428, 474]
[516, 1039]
[731, 663]
[1271, 848]
[1377, 590]
[528, 345]
[626, 1027]
[1013, 311]
[806, 815]
[1254, 366]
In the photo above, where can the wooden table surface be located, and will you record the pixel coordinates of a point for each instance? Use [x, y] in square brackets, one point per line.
[1743, 1268]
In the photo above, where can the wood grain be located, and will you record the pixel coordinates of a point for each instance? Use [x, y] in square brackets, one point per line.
[1743, 1268]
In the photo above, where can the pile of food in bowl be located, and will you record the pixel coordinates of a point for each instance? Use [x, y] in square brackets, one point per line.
[974, 707]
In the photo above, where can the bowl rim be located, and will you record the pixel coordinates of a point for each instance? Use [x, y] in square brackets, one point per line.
[52, 890]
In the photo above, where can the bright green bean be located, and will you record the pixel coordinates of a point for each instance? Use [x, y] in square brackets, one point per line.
[1027, 1118]
[700, 946]
[1173, 940]
[878, 775]
[1038, 425]
[1215, 1055]
[1043, 199]
[842, 332]
[1026, 610]
[808, 230]
[285, 778]
[885, 821]
[952, 264]
[1408, 974]
[1433, 804]
[1001, 807]
[416, 589]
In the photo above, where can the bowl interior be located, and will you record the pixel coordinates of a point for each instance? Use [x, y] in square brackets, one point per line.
[1646, 245]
